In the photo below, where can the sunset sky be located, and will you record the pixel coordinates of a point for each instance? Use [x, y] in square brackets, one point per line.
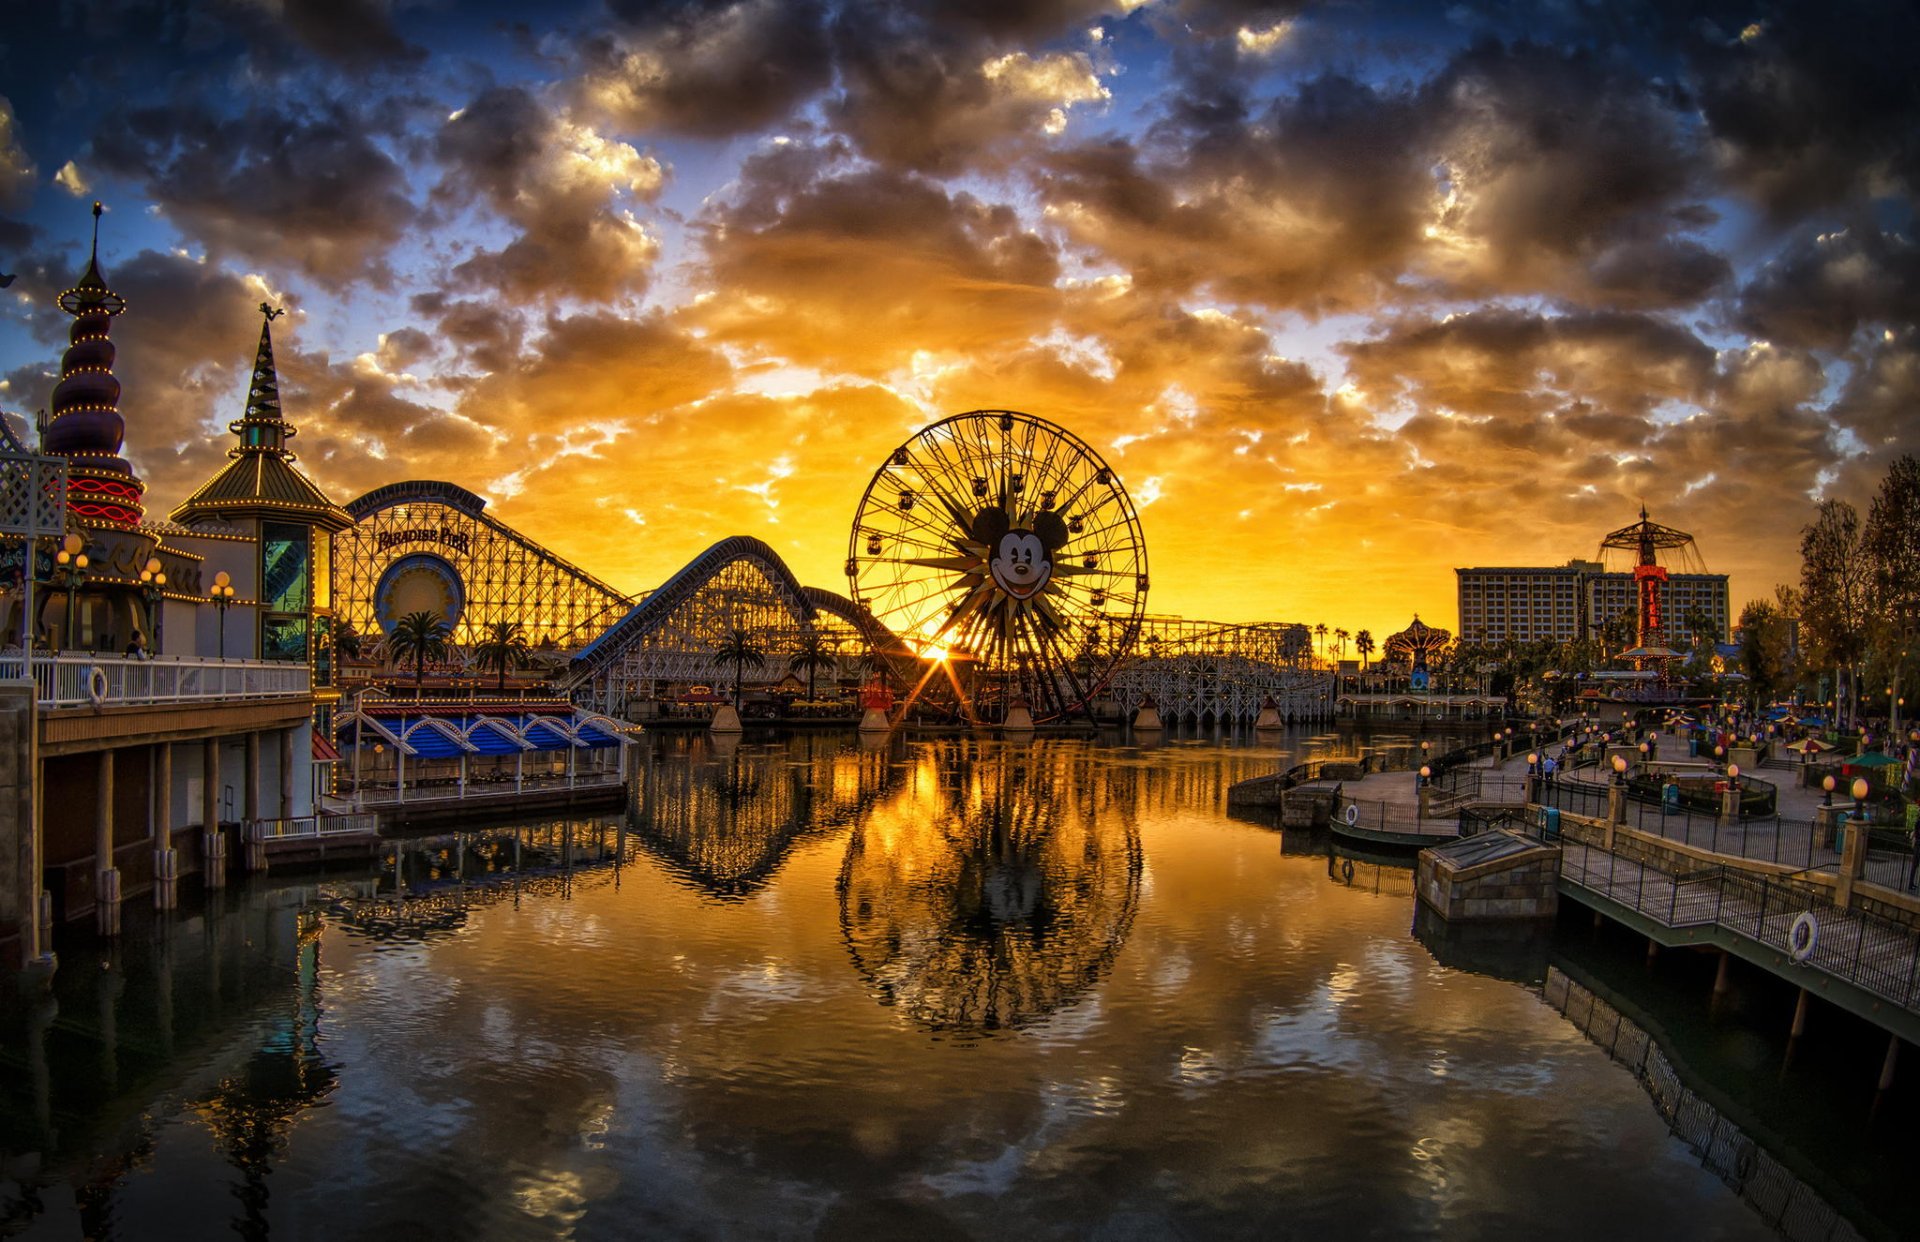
[1348, 294]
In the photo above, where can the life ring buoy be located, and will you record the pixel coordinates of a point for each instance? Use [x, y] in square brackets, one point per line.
[1353, 814]
[1802, 936]
[96, 684]
[1346, 869]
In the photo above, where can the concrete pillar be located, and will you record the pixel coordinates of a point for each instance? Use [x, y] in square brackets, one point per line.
[106, 896]
[1799, 1027]
[725, 720]
[286, 773]
[213, 845]
[1853, 864]
[873, 720]
[166, 862]
[1147, 719]
[21, 782]
[1886, 1066]
[1019, 718]
[1721, 977]
[250, 781]
[1616, 810]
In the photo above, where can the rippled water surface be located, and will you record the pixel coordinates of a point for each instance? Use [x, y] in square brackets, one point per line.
[945, 988]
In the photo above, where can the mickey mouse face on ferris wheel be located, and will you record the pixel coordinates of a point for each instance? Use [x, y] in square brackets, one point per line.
[1020, 559]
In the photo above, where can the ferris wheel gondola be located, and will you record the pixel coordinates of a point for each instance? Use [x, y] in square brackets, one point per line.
[1004, 542]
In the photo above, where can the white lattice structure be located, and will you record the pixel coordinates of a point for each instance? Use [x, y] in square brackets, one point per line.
[1203, 670]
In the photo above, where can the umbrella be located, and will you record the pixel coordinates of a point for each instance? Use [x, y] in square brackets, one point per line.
[1872, 759]
[1808, 745]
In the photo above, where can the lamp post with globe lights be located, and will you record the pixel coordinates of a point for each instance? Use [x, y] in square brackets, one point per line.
[153, 583]
[222, 597]
[72, 560]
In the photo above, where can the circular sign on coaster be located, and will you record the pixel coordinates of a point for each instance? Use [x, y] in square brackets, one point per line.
[1353, 814]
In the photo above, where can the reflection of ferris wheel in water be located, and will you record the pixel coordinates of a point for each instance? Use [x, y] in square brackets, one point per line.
[1005, 542]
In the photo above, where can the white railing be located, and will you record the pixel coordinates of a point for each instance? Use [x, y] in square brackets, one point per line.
[388, 793]
[312, 826]
[80, 680]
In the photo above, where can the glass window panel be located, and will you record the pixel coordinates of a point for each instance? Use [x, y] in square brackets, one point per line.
[283, 638]
[322, 569]
[284, 567]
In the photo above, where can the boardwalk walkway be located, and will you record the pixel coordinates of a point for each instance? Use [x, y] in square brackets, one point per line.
[1754, 915]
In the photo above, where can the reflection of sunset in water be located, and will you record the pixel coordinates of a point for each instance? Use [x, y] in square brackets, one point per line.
[1106, 1008]
[993, 889]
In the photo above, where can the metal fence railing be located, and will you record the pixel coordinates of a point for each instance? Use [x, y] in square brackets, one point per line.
[80, 680]
[314, 826]
[1576, 797]
[1876, 954]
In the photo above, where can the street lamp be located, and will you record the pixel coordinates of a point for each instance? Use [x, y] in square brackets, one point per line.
[1859, 799]
[1826, 786]
[222, 596]
[153, 581]
[1619, 769]
[74, 561]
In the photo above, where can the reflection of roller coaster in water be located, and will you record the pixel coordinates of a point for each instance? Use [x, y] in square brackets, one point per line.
[993, 893]
[726, 816]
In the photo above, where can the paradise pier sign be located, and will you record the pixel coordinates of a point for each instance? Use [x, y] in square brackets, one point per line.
[458, 540]
[430, 546]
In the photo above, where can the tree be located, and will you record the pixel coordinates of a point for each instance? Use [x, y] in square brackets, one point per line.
[1766, 649]
[1340, 638]
[1892, 545]
[1363, 643]
[1835, 590]
[743, 651]
[504, 645]
[815, 655]
[1320, 635]
[419, 637]
[346, 639]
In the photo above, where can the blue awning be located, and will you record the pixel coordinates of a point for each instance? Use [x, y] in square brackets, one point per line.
[545, 737]
[491, 739]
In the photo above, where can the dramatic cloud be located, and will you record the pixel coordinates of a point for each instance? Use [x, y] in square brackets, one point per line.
[308, 187]
[1812, 107]
[16, 169]
[1347, 294]
[706, 67]
[859, 271]
[558, 183]
[1825, 287]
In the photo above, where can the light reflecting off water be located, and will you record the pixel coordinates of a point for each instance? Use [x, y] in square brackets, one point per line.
[940, 988]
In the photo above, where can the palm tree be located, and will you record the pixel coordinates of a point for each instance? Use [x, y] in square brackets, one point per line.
[1363, 643]
[816, 654]
[420, 636]
[505, 645]
[1340, 638]
[1320, 634]
[742, 650]
[346, 639]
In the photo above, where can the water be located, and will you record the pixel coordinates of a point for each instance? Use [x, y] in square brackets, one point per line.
[945, 988]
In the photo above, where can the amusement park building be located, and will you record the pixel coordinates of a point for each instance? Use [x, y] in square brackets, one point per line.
[1566, 603]
[143, 722]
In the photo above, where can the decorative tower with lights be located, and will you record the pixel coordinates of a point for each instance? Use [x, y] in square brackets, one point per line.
[99, 601]
[262, 494]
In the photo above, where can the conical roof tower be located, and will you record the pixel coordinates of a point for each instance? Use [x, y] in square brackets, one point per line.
[261, 480]
[86, 427]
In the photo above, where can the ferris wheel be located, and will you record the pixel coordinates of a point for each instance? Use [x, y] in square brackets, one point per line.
[1001, 546]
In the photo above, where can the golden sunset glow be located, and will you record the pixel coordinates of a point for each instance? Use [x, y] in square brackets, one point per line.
[1341, 322]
